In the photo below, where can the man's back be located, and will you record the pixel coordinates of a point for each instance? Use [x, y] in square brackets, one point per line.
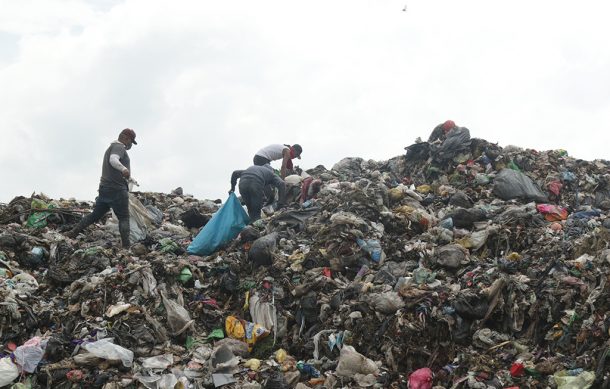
[111, 177]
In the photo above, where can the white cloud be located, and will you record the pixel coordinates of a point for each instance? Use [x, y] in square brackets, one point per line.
[206, 84]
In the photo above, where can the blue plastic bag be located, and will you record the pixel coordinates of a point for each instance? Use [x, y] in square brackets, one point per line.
[224, 226]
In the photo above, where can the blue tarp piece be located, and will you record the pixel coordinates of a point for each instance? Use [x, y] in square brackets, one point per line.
[224, 226]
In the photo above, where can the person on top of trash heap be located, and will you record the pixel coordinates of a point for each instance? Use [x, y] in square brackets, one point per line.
[252, 183]
[113, 191]
[278, 151]
[440, 132]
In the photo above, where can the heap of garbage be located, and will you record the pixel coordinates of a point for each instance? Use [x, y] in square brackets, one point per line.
[460, 264]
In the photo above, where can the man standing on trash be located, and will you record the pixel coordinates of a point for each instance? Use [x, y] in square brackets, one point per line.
[113, 190]
[252, 182]
[278, 151]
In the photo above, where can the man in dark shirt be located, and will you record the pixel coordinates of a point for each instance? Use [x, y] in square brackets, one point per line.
[252, 182]
[113, 189]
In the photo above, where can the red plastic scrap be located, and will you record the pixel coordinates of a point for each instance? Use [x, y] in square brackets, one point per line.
[517, 369]
[421, 379]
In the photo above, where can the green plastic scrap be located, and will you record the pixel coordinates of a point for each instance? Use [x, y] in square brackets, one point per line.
[423, 276]
[217, 333]
[168, 245]
[185, 275]
[513, 165]
[247, 285]
[39, 219]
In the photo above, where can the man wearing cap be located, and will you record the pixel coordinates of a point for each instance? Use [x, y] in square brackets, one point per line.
[113, 189]
[278, 151]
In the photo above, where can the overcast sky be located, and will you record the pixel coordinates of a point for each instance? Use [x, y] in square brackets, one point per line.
[205, 84]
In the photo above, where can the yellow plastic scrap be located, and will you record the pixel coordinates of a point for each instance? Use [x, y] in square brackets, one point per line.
[514, 256]
[396, 194]
[280, 355]
[245, 331]
[405, 210]
[425, 189]
[253, 364]
[247, 303]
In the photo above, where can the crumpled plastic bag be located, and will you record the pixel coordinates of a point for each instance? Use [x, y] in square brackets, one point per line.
[28, 355]
[421, 379]
[178, 318]
[387, 303]
[582, 381]
[351, 362]
[157, 381]
[510, 184]
[158, 362]
[263, 312]
[8, 371]
[140, 220]
[105, 349]
[552, 213]
[261, 252]
[245, 331]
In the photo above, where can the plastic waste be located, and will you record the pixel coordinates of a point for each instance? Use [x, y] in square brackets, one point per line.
[8, 371]
[421, 379]
[106, 349]
[552, 213]
[253, 364]
[261, 252]
[185, 275]
[372, 247]
[157, 381]
[583, 380]
[510, 184]
[178, 317]
[223, 227]
[39, 219]
[352, 362]
[245, 331]
[28, 355]
[307, 369]
[158, 362]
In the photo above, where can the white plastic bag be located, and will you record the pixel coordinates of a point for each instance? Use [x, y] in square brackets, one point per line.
[352, 362]
[8, 371]
[164, 381]
[158, 362]
[178, 318]
[28, 355]
[105, 349]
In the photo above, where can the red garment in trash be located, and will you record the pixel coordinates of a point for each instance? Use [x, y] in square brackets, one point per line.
[555, 187]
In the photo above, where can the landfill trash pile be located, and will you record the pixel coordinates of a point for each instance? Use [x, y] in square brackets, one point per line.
[460, 264]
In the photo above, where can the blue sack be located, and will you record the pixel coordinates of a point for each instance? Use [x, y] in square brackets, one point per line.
[224, 226]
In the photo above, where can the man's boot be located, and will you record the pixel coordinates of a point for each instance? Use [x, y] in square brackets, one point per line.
[124, 231]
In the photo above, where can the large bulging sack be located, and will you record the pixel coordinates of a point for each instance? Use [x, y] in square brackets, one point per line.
[510, 184]
[222, 228]
[261, 252]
